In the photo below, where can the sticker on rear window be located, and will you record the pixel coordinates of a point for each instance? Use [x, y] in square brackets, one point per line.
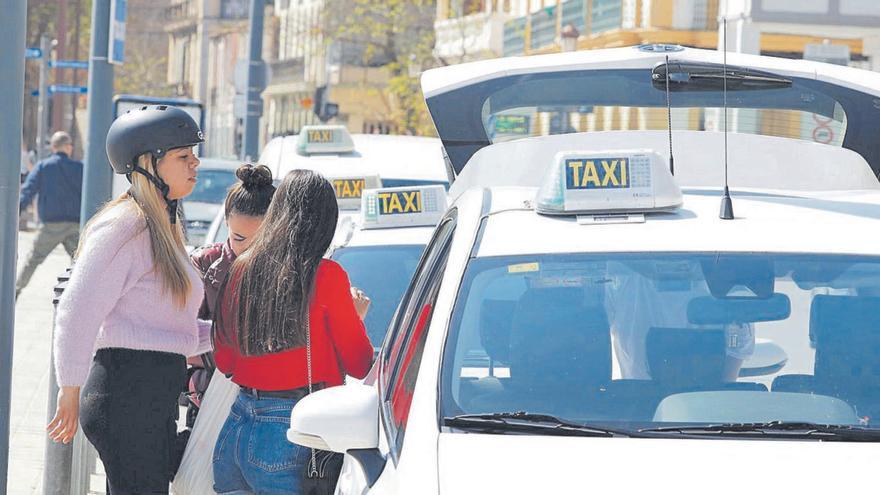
[523, 268]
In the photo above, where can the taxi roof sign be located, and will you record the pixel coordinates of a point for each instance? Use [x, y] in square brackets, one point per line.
[420, 206]
[315, 139]
[350, 189]
[612, 181]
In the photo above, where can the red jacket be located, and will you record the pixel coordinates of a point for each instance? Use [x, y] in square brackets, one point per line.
[340, 345]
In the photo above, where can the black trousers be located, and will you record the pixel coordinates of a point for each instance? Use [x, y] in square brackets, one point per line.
[128, 411]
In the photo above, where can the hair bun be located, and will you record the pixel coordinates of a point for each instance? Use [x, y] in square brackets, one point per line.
[254, 176]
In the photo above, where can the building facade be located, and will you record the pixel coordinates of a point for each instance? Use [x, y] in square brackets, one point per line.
[306, 60]
[207, 62]
[207, 42]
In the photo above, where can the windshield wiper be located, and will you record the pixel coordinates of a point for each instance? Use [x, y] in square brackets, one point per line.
[778, 429]
[691, 75]
[522, 421]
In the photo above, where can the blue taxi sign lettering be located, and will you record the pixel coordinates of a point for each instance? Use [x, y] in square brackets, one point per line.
[600, 182]
[597, 174]
[394, 207]
[349, 188]
[400, 202]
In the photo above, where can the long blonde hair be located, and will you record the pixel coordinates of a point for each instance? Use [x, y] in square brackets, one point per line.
[166, 240]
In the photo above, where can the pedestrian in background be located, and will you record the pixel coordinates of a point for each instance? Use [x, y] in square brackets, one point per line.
[134, 296]
[288, 321]
[57, 184]
[26, 166]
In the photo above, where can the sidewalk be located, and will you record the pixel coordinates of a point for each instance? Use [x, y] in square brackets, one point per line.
[30, 373]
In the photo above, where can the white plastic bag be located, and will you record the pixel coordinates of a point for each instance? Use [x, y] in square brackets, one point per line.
[196, 475]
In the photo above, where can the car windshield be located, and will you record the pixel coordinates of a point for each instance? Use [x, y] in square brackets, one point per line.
[571, 101]
[383, 273]
[635, 341]
[212, 186]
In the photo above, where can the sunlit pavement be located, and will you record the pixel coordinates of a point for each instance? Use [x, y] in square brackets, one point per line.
[30, 372]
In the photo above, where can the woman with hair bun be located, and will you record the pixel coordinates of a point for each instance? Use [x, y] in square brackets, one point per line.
[244, 209]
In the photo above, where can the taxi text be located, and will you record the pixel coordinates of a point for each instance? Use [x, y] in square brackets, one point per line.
[605, 173]
[348, 188]
[321, 136]
[397, 202]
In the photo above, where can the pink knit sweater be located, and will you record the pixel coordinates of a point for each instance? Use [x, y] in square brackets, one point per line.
[115, 298]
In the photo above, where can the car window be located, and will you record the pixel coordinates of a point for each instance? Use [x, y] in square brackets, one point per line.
[404, 314]
[640, 340]
[400, 367]
[212, 186]
[383, 273]
[575, 101]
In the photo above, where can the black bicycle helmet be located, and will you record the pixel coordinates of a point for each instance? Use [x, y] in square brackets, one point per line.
[149, 129]
[152, 129]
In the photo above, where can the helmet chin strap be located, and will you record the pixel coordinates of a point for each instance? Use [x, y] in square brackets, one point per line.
[163, 188]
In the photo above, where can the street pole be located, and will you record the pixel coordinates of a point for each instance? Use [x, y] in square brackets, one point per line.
[97, 175]
[12, 25]
[256, 82]
[43, 98]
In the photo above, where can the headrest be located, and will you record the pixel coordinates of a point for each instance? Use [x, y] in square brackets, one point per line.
[842, 319]
[496, 319]
[557, 340]
[686, 357]
[846, 333]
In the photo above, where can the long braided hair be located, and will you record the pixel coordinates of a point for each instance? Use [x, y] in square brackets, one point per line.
[275, 277]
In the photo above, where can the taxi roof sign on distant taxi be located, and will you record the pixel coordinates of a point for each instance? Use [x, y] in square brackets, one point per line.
[403, 206]
[350, 189]
[314, 139]
[616, 181]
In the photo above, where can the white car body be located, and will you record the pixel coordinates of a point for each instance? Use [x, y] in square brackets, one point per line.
[415, 160]
[434, 461]
[787, 201]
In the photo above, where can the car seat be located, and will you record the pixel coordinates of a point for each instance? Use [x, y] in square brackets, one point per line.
[559, 353]
[846, 330]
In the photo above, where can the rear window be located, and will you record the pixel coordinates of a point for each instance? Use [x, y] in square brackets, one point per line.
[577, 101]
[523, 109]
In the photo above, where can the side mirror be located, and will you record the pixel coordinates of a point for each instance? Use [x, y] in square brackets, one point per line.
[341, 419]
[338, 419]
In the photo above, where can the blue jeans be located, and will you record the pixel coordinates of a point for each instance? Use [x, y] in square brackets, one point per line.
[253, 454]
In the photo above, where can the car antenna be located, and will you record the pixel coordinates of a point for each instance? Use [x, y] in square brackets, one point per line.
[669, 120]
[726, 202]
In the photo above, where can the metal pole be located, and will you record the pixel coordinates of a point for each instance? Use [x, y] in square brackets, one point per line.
[97, 176]
[255, 82]
[12, 25]
[43, 98]
[59, 456]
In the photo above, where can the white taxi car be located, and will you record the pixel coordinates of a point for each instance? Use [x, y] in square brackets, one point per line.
[334, 152]
[353, 163]
[582, 320]
[380, 248]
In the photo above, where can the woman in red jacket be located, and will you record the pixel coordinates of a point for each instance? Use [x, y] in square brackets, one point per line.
[282, 296]
[245, 206]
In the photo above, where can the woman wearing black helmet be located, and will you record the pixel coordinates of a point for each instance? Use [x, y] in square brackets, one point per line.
[134, 297]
